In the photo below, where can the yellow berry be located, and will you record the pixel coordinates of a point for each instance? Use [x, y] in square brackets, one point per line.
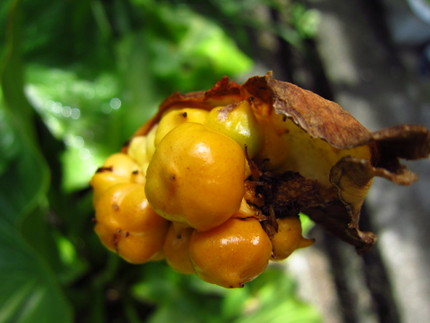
[150, 142]
[137, 151]
[176, 117]
[288, 238]
[231, 254]
[246, 211]
[238, 122]
[196, 176]
[141, 149]
[274, 151]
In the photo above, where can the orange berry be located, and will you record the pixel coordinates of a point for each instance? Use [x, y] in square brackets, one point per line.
[127, 224]
[176, 249]
[118, 168]
[231, 254]
[196, 176]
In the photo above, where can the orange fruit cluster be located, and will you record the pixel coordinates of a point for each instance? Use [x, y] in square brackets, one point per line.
[178, 193]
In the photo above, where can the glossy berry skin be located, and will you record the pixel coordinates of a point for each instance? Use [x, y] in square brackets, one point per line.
[196, 176]
[141, 148]
[176, 249]
[231, 254]
[127, 224]
[118, 168]
[288, 238]
[176, 117]
[179, 193]
[238, 122]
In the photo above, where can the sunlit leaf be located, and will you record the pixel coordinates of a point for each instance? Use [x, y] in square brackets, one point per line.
[77, 111]
[272, 299]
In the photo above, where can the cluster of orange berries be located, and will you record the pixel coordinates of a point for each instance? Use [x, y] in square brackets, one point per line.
[178, 194]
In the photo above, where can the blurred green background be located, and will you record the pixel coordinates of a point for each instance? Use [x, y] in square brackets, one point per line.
[77, 79]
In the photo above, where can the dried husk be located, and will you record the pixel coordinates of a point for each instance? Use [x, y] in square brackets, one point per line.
[332, 158]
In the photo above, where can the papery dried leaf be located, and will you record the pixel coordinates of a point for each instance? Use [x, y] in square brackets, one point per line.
[319, 117]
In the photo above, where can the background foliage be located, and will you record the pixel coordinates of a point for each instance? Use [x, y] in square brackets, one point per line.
[77, 79]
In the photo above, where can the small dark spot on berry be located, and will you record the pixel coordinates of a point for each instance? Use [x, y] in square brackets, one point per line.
[135, 172]
[172, 177]
[126, 234]
[104, 169]
[115, 207]
[115, 241]
[184, 114]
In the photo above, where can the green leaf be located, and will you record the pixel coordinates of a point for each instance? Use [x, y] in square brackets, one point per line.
[289, 311]
[22, 184]
[8, 149]
[274, 300]
[28, 292]
[25, 176]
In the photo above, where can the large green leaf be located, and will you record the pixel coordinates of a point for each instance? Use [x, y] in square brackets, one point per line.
[29, 291]
[23, 182]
